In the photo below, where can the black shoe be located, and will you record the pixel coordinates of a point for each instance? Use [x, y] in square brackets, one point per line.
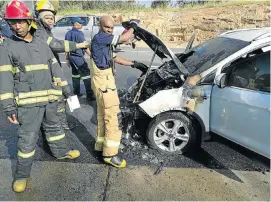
[90, 99]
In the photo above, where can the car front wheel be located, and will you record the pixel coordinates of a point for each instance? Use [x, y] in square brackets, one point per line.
[172, 132]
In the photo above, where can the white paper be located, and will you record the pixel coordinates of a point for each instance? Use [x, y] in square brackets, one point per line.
[73, 103]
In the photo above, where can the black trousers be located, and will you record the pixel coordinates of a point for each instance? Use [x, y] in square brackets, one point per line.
[81, 72]
[31, 120]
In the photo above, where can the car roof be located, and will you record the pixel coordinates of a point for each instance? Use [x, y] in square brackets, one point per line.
[78, 15]
[248, 34]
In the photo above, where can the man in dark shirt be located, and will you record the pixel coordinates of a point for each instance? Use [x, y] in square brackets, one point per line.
[5, 31]
[103, 84]
[77, 61]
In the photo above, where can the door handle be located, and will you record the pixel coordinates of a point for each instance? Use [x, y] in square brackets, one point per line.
[68, 29]
[86, 29]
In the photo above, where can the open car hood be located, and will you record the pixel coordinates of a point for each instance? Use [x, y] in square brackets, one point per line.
[156, 44]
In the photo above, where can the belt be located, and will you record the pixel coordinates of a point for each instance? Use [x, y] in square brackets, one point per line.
[76, 54]
[104, 68]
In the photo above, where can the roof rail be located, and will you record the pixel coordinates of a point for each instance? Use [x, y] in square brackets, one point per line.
[238, 30]
[265, 35]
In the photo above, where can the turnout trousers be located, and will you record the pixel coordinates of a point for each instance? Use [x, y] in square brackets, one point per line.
[31, 120]
[62, 114]
[81, 72]
[108, 112]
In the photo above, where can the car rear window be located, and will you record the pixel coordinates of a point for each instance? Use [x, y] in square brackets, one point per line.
[211, 52]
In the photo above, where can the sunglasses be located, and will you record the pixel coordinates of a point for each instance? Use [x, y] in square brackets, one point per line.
[13, 22]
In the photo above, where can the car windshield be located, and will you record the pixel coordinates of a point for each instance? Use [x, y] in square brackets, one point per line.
[209, 53]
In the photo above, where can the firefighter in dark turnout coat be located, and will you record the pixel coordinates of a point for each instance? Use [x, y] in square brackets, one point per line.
[31, 82]
[45, 13]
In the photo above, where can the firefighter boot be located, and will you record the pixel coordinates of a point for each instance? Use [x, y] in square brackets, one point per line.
[72, 154]
[20, 185]
[115, 161]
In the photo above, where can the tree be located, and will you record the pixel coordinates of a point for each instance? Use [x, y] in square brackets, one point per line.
[1, 4]
[180, 3]
[160, 3]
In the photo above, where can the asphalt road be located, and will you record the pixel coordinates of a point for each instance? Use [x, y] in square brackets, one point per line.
[218, 154]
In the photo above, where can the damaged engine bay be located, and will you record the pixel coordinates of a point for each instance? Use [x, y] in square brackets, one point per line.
[167, 76]
[170, 75]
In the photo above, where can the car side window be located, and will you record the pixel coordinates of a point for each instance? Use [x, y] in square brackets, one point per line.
[97, 20]
[64, 22]
[252, 73]
[85, 20]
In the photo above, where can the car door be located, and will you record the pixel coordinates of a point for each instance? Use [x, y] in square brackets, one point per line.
[95, 26]
[87, 27]
[61, 27]
[241, 110]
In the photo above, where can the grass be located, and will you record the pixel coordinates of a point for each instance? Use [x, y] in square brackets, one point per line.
[77, 10]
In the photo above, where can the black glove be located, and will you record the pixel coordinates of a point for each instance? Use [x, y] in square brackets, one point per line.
[66, 92]
[134, 23]
[140, 66]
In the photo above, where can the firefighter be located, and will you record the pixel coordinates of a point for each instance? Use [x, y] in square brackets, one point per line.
[31, 82]
[103, 84]
[77, 61]
[45, 13]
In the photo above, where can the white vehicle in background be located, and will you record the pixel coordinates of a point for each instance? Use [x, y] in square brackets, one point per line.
[90, 26]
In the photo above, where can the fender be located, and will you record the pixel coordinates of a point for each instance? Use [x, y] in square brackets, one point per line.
[164, 100]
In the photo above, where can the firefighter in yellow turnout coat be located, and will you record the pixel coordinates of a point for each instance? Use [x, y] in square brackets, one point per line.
[103, 84]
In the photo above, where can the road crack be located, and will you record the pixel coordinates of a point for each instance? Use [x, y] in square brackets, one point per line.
[106, 184]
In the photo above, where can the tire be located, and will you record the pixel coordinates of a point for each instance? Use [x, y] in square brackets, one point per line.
[179, 142]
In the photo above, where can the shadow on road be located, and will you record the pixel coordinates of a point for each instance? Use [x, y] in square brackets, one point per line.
[207, 160]
[242, 150]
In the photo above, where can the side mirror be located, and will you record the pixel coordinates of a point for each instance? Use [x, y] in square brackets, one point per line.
[220, 80]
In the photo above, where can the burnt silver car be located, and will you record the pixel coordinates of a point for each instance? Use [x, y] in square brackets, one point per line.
[204, 89]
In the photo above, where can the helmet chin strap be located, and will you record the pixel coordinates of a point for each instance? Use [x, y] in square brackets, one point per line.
[31, 24]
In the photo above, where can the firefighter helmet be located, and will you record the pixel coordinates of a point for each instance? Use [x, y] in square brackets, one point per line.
[44, 5]
[17, 9]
